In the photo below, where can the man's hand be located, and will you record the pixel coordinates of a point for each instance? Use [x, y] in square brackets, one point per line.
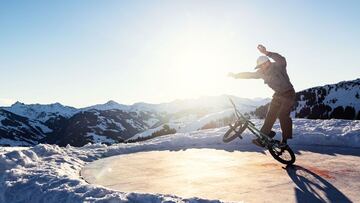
[232, 75]
[262, 49]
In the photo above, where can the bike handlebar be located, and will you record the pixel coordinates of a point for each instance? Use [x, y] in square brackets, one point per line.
[238, 114]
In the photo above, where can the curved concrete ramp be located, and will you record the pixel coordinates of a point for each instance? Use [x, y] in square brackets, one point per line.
[230, 176]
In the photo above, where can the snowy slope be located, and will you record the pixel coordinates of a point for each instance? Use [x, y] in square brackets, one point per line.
[16, 130]
[48, 173]
[341, 100]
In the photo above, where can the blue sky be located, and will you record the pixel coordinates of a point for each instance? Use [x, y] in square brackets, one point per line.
[85, 52]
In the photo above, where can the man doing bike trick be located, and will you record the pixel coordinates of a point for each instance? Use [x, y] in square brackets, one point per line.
[275, 76]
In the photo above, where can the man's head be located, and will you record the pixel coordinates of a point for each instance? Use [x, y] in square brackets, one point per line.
[263, 62]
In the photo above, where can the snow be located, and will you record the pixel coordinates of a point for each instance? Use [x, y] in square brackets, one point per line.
[343, 97]
[48, 173]
[301, 105]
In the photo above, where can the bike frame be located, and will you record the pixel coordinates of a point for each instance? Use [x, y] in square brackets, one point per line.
[250, 125]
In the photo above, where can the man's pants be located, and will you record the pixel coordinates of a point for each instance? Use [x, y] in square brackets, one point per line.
[280, 107]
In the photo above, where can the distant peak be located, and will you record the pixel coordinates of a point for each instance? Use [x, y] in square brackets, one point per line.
[56, 104]
[111, 102]
[17, 103]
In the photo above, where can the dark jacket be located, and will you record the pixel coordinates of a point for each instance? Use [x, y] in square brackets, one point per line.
[275, 76]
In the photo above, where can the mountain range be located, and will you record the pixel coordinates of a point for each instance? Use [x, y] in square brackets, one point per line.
[29, 124]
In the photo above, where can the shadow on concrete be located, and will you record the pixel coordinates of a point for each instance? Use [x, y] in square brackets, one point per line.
[312, 187]
[329, 150]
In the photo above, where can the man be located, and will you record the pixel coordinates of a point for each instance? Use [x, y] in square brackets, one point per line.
[275, 76]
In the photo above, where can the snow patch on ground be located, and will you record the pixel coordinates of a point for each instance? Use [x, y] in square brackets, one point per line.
[48, 173]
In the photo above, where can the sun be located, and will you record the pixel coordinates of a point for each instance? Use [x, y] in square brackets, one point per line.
[196, 65]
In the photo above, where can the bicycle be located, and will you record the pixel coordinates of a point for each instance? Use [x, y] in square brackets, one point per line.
[283, 154]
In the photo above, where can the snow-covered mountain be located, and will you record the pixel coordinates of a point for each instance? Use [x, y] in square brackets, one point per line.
[41, 112]
[18, 130]
[25, 125]
[188, 124]
[210, 103]
[201, 113]
[22, 124]
[97, 126]
[108, 106]
[339, 101]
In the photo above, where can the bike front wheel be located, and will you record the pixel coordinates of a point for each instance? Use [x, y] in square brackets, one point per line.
[234, 132]
[284, 155]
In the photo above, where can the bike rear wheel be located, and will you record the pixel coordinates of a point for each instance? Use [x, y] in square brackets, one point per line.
[283, 155]
[234, 132]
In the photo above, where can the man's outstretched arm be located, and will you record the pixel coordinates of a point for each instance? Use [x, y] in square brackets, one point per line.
[245, 75]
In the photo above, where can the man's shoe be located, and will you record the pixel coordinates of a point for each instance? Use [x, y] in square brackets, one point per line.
[257, 142]
[283, 144]
[272, 134]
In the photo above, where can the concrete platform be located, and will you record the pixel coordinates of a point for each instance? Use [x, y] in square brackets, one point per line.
[232, 176]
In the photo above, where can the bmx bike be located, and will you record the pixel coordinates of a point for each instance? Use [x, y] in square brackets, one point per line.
[281, 153]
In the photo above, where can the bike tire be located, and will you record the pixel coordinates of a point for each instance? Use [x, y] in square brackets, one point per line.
[230, 135]
[277, 153]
